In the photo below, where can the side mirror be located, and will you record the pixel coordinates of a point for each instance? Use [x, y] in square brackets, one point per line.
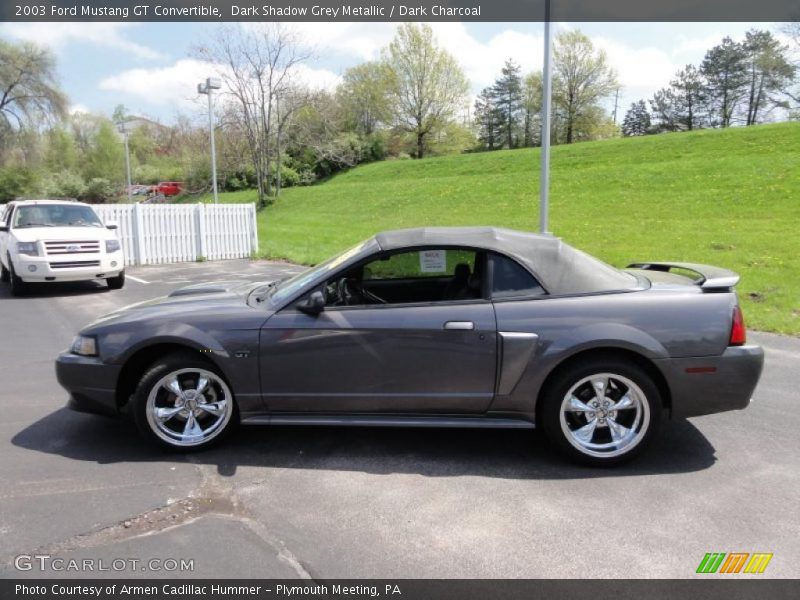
[313, 305]
[111, 225]
[3, 227]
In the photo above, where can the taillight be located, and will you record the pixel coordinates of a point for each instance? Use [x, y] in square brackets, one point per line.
[738, 331]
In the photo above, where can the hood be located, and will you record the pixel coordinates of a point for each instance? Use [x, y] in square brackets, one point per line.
[62, 234]
[203, 300]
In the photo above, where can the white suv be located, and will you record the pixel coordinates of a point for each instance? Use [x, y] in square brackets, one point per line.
[57, 240]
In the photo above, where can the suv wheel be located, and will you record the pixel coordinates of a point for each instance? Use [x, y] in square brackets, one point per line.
[4, 274]
[116, 283]
[18, 287]
[183, 403]
[601, 413]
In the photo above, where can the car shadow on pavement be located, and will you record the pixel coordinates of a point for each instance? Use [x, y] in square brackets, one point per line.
[56, 289]
[509, 454]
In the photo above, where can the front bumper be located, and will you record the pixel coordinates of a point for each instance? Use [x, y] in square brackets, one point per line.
[33, 269]
[712, 384]
[90, 382]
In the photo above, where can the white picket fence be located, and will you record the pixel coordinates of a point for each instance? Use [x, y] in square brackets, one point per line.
[153, 234]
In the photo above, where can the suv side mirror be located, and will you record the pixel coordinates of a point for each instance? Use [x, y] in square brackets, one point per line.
[313, 305]
[111, 225]
[3, 227]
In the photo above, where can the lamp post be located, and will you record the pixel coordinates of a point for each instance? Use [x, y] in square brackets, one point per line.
[544, 180]
[124, 131]
[206, 88]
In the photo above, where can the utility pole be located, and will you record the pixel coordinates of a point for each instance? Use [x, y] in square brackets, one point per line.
[547, 88]
[616, 100]
[206, 88]
[124, 131]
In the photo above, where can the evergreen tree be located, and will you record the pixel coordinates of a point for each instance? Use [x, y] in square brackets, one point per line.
[489, 119]
[725, 71]
[681, 106]
[637, 120]
[507, 92]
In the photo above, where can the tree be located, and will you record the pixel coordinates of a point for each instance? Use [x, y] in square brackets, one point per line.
[725, 71]
[769, 71]
[106, 158]
[28, 89]
[507, 92]
[426, 84]
[531, 109]
[582, 78]
[637, 120]
[681, 106]
[60, 152]
[364, 97]
[489, 120]
[257, 64]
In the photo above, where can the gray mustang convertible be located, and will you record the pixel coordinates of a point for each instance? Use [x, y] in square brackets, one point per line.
[442, 327]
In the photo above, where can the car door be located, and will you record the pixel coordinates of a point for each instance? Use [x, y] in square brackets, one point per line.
[431, 357]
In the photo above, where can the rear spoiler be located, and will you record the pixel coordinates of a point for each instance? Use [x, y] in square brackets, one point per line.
[710, 277]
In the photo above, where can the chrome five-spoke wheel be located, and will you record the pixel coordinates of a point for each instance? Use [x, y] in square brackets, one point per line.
[604, 415]
[601, 411]
[188, 407]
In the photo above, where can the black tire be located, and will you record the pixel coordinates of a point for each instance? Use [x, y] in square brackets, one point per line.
[18, 287]
[4, 274]
[143, 410]
[640, 421]
[116, 283]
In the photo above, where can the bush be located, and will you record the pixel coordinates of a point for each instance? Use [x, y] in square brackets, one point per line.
[99, 190]
[289, 177]
[15, 182]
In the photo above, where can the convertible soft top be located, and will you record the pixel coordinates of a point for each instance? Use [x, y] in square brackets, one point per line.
[559, 267]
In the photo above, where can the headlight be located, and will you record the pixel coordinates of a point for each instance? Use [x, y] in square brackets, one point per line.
[84, 345]
[29, 248]
[112, 246]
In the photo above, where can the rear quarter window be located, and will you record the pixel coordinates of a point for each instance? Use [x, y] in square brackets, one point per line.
[510, 279]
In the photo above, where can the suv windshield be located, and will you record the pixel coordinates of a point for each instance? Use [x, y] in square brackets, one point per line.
[55, 215]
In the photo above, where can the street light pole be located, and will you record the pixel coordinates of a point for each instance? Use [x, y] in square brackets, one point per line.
[123, 130]
[206, 88]
[544, 180]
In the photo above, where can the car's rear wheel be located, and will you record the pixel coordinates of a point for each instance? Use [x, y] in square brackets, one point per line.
[116, 283]
[18, 287]
[183, 403]
[602, 412]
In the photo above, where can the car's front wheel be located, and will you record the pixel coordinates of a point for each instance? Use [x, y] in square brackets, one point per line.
[4, 274]
[183, 403]
[602, 412]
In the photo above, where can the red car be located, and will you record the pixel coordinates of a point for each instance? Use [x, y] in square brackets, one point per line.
[169, 188]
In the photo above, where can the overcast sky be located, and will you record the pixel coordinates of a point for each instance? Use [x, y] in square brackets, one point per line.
[148, 67]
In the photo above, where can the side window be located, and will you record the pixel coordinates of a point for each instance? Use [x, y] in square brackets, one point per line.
[420, 264]
[415, 276]
[510, 279]
[7, 216]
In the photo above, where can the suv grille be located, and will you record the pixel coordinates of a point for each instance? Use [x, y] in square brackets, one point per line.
[79, 247]
[74, 263]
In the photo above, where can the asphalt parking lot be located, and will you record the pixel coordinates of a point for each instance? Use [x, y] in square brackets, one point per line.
[362, 502]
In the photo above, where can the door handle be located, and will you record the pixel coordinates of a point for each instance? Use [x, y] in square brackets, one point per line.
[460, 325]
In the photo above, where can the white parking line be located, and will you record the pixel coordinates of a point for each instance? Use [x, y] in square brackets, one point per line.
[137, 279]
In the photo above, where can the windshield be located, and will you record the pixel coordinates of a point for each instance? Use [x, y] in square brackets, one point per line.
[288, 288]
[55, 215]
